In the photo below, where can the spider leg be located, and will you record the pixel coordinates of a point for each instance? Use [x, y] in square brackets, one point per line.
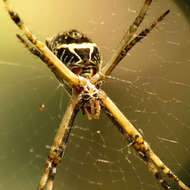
[126, 38]
[122, 52]
[54, 62]
[59, 145]
[140, 145]
[144, 33]
[37, 53]
[138, 20]
[151, 166]
[32, 49]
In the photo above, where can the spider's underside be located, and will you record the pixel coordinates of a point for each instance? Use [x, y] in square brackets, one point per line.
[82, 73]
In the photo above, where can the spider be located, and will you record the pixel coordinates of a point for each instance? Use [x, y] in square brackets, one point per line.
[75, 61]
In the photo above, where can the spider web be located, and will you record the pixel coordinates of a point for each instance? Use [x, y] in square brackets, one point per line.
[151, 86]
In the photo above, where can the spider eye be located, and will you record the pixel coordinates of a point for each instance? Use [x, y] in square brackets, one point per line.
[75, 34]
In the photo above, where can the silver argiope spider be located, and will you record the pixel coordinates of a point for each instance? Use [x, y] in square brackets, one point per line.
[82, 76]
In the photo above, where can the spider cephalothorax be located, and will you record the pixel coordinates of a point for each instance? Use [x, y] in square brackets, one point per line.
[76, 51]
[82, 57]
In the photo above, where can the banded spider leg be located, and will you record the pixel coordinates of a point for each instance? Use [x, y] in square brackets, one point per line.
[59, 144]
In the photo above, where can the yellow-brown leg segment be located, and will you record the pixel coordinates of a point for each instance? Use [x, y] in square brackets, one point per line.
[37, 53]
[32, 49]
[144, 33]
[127, 46]
[126, 38]
[139, 144]
[59, 144]
[151, 166]
[54, 62]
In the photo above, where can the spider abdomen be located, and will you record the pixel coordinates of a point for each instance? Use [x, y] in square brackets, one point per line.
[77, 52]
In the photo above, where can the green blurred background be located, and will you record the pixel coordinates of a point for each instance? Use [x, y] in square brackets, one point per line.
[151, 86]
